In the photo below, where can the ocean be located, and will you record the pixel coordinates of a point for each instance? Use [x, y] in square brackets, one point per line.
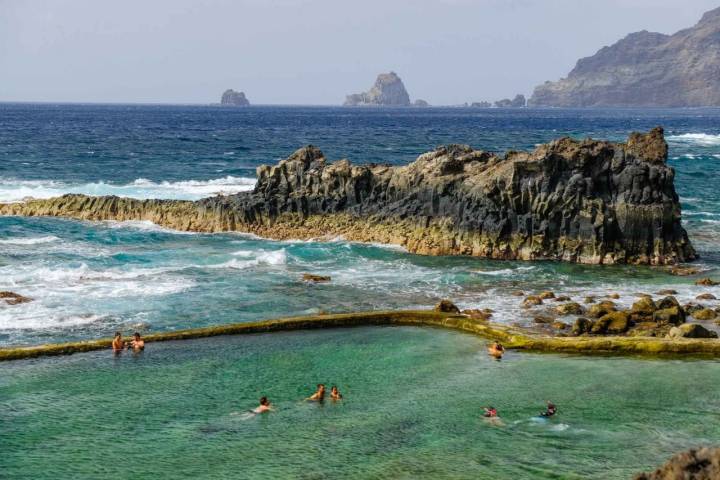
[413, 397]
[90, 279]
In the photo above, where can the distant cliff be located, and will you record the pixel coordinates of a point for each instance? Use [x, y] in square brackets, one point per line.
[578, 201]
[387, 90]
[231, 98]
[645, 69]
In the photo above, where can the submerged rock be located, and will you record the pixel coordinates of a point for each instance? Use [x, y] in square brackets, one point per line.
[12, 298]
[705, 314]
[532, 301]
[707, 282]
[603, 308]
[695, 464]
[570, 308]
[582, 325]
[584, 201]
[706, 296]
[311, 277]
[672, 315]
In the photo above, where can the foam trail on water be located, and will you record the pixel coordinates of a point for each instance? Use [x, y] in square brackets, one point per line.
[703, 139]
[12, 190]
[29, 240]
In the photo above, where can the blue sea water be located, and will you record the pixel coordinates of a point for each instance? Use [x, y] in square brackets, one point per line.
[89, 279]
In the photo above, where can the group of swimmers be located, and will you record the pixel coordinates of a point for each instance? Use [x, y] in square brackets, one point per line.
[318, 396]
[137, 344]
[550, 410]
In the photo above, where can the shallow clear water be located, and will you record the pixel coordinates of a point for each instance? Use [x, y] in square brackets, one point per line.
[412, 409]
[89, 279]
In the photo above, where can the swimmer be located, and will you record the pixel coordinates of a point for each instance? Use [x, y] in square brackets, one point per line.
[335, 393]
[496, 350]
[137, 343]
[319, 394]
[117, 343]
[490, 412]
[264, 406]
[550, 411]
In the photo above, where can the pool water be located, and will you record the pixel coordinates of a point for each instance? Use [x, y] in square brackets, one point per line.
[412, 409]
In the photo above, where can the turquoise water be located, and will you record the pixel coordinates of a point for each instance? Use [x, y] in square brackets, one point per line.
[89, 279]
[412, 409]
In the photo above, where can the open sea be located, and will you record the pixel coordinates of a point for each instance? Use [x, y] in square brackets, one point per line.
[415, 397]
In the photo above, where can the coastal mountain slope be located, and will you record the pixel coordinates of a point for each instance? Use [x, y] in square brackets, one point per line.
[586, 201]
[645, 69]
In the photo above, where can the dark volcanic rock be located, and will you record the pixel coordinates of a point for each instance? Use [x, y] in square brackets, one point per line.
[645, 69]
[578, 201]
[231, 98]
[388, 90]
[517, 102]
[482, 104]
[695, 464]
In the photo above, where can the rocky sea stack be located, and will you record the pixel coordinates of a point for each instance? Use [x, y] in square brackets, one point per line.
[645, 69]
[388, 90]
[697, 464]
[231, 98]
[587, 201]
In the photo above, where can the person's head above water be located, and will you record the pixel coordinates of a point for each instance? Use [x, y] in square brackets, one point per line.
[118, 334]
[264, 401]
[136, 335]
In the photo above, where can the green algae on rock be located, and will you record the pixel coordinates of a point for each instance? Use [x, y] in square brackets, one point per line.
[593, 202]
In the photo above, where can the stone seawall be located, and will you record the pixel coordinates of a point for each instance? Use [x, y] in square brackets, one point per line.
[511, 337]
[588, 201]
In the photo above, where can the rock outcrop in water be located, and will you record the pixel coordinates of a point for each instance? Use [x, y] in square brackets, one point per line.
[696, 464]
[645, 69]
[231, 98]
[388, 90]
[586, 201]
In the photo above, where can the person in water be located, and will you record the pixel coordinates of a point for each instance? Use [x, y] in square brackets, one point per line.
[335, 393]
[490, 412]
[137, 343]
[496, 350]
[319, 394]
[117, 343]
[264, 406]
[550, 410]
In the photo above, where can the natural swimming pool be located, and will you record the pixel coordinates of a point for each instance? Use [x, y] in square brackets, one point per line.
[412, 409]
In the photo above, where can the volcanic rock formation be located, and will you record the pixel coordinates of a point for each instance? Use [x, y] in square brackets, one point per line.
[578, 201]
[231, 98]
[388, 90]
[698, 464]
[645, 69]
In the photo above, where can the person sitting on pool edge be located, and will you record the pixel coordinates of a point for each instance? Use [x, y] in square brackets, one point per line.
[550, 411]
[496, 350]
[490, 412]
[335, 393]
[137, 343]
[264, 406]
[117, 343]
[319, 394]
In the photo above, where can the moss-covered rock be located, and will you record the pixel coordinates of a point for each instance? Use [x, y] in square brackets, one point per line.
[582, 325]
[705, 314]
[517, 293]
[543, 319]
[546, 295]
[691, 330]
[644, 307]
[707, 282]
[570, 308]
[532, 301]
[558, 325]
[12, 298]
[613, 323]
[602, 308]
[614, 296]
[706, 296]
[563, 298]
[667, 291]
[672, 315]
[589, 299]
[668, 302]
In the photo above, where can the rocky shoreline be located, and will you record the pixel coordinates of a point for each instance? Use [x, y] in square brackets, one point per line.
[590, 201]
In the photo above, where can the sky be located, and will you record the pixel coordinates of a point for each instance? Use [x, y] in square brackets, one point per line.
[308, 51]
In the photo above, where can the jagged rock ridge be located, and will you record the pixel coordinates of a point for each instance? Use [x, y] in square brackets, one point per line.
[231, 98]
[579, 201]
[387, 90]
[645, 69]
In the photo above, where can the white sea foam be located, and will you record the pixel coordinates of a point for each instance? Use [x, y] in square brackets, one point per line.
[12, 190]
[254, 258]
[703, 139]
[29, 240]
